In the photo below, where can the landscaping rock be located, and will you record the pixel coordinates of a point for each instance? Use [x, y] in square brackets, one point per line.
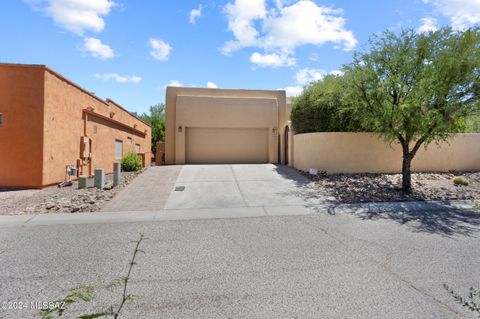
[62, 200]
[361, 188]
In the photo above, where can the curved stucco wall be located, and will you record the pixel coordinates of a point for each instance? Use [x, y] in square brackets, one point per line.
[365, 153]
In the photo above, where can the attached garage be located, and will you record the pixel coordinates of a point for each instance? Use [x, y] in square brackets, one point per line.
[221, 126]
[226, 145]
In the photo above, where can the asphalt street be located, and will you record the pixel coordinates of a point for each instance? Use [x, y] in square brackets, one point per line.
[346, 265]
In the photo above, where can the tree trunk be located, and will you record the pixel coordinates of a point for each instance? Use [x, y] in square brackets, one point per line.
[406, 173]
[408, 156]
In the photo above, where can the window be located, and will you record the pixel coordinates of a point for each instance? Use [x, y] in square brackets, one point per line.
[137, 148]
[118, 149]
[129, 140]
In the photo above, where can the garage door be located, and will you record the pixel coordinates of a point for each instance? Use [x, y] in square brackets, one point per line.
[226, 146]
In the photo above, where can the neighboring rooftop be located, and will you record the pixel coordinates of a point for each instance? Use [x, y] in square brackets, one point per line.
[63, 78]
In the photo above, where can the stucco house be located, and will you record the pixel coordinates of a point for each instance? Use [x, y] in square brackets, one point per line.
[221, 126]
[47, 123]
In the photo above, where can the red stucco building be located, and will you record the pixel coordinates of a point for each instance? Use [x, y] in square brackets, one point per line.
[48, 123]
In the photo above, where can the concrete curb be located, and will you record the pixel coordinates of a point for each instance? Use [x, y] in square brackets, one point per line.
[402, 206]
[219, 213]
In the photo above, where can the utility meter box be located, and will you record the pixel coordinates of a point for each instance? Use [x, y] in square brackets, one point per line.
[71, 170]
[85, 147]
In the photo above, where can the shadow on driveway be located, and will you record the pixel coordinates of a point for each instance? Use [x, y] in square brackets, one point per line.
[292, 174]
[312, 196]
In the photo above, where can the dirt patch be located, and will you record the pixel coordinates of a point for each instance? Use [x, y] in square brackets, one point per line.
[61, 200]
[360, 188]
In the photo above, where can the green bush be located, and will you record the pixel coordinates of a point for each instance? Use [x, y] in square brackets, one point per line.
[473, 124]
[460, 180]
[131, 162]
[322, 108]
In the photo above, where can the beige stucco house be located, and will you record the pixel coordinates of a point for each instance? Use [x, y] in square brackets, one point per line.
[225, 126]
[222, 126]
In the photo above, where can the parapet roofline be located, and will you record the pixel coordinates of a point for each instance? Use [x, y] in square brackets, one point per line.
[65, 79]
[222, 89]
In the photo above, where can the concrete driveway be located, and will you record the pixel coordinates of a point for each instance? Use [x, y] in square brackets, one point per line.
[268, 187]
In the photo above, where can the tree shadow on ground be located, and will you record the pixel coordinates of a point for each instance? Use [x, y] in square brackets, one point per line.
[292, 174]
[442, 220]
[312, 196]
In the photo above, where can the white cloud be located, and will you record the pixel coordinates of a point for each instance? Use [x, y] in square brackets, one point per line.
[305, 22]
[76, 16]
[211, 85]
[195, 14]
[160, 49]
[281, 29]
[241, 16]
[118, 78]
[293, 91]
[428, 24]
[462, 13]
[337, 72]
[272, 60]
[174, 83]
[97, 49]
[307, 76]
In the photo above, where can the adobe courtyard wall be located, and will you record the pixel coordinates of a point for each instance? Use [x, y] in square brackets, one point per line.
[365, 153]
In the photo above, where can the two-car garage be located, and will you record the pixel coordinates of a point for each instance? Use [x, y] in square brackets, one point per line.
[226, 145]
[218, 126]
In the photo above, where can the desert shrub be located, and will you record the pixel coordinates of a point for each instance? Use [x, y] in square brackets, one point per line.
[460, 180]
[131, 162]
[321, 108]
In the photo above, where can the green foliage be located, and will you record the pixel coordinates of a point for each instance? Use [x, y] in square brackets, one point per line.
[473, 124]
[460, 180]
[156, 119]
[131, 162]
[472, 302]
[416, 88]
[84, 293]
[322, 107]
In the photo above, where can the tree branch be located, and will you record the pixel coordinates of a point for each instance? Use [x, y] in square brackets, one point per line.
[421, 141]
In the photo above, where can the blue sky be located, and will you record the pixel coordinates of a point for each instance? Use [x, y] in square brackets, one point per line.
[129, 50]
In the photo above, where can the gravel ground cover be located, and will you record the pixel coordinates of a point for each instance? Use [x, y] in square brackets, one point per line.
[61, 200]
[360, 188]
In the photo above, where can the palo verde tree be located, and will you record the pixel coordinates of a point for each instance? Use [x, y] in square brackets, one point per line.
[416, 88]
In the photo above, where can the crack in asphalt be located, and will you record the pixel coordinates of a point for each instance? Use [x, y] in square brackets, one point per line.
[384, 266]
